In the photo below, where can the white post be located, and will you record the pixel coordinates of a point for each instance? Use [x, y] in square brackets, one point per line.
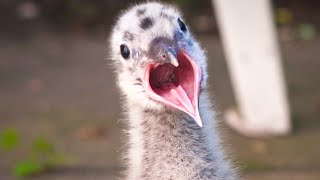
[253, 57]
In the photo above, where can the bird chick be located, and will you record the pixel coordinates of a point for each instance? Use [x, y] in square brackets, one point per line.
[161, 72]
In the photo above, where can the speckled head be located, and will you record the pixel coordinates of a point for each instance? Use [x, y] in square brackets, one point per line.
[158, 63]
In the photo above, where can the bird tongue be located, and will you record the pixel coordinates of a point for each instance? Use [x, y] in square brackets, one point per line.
[183, 94]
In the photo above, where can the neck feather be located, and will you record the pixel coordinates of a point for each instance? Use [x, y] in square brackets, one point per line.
[171, 145]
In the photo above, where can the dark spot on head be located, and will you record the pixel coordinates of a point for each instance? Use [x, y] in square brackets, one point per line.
[139, 80]
[166, 16]
[141, 11]
[164, 8]
[128, 36]
[146, 23]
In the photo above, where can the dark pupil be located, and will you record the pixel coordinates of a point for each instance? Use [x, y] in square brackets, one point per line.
[125, 52]
[182, 25]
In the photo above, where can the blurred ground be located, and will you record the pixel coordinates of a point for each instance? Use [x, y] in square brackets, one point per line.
[60, 86]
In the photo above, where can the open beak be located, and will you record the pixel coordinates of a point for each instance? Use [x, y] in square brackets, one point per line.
[175, 83]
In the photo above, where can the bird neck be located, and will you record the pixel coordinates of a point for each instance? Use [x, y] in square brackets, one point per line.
[167, 141]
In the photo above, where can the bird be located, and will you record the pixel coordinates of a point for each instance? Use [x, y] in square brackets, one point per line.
[160, 70]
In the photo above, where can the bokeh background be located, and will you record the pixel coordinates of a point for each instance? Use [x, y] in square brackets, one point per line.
[59, 107]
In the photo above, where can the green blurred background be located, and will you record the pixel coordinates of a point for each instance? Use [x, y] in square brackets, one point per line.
[59, 108]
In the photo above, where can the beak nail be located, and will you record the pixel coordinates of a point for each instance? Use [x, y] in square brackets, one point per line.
[173, 60]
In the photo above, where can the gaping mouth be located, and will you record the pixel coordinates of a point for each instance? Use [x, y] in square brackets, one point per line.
[176, 87]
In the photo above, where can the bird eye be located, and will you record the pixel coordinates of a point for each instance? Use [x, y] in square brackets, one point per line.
[125, 52]
[182, 25]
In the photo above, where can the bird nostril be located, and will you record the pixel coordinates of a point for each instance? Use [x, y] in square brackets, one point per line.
[163, 56]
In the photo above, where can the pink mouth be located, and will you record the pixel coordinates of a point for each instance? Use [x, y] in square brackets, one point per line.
[176, 87]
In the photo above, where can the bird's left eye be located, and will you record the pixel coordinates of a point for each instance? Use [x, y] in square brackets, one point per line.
[182, 25]
[125, 52]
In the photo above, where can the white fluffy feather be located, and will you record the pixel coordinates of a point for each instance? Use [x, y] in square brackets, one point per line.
[163, 144]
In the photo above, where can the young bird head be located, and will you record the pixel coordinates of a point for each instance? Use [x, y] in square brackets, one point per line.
[158, 63]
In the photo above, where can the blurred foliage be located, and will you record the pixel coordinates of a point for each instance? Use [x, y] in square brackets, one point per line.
[256, 165]
[306, 31]
[283, 16]
[44, 152]
[9, 139]
[27, 168]
[41, 157]
[42, 146]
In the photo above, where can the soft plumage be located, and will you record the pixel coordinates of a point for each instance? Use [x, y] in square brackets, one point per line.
[161, 72]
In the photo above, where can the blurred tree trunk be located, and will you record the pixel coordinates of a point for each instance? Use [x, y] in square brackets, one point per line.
[253, 58]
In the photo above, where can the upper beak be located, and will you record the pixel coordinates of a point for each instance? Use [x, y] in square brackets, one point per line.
[172, 59]
[164, 50]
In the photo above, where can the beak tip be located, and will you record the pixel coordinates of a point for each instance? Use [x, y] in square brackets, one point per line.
[173, 60]
[200, 124]
[198, 120]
